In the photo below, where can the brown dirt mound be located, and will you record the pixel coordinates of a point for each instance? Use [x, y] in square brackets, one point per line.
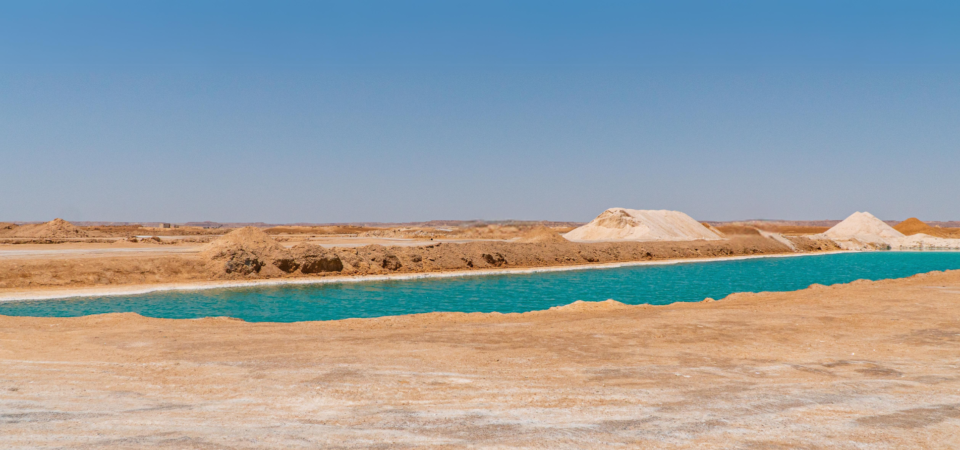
[250, 251]
[249, 238]
[7, 228]
[244, 251]
[541, 233]
[56, 228]
[913, 226]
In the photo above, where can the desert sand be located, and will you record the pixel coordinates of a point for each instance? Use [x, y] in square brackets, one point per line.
[863, 365]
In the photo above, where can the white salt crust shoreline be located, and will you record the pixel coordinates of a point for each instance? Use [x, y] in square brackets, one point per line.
[206, 285]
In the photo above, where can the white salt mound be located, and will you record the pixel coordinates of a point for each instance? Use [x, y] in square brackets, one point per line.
[620, 224]
[862, 224]
[864, 231]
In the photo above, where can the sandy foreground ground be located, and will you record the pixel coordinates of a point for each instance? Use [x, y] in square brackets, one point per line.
[864, 365]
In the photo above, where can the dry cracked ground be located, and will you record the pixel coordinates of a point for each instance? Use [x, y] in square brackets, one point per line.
[865, 365]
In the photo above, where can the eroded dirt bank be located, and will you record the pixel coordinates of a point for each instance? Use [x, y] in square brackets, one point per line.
[864, 365]
[269, 260]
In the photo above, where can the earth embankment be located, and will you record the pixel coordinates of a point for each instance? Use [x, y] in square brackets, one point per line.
[252, 255]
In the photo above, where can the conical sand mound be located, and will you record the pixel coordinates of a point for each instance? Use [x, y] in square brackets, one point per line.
[57, 228]
[620, 224]
[914, 226]
[244, 251]
[250, 251]
[248, 239]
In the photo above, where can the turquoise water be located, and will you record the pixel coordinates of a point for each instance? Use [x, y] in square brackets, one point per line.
[687, 282]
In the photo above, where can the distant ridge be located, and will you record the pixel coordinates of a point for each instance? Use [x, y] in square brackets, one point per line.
[467, 223]
[429, 223]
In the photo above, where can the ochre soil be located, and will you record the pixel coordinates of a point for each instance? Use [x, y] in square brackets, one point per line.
[737, 230]
[66, 271]
[913, 226]
[787, 228]
[864, 365]
[792, 230]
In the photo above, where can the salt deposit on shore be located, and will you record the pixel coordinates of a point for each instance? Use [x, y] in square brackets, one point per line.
[923, 241]
[620, 224]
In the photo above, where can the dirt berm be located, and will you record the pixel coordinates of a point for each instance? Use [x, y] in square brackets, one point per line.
[249, 252]
[57, 228]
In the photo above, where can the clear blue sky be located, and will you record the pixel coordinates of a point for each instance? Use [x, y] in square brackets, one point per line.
[411, 110]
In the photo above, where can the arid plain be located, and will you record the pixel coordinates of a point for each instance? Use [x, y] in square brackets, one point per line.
[859, 365]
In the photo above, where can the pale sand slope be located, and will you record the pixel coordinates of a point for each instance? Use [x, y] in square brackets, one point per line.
[864, 231]
[620, 224]
[867, 365]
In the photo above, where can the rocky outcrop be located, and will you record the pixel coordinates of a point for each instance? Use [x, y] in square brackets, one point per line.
[250, 251]
[311, 259]
[244, 251]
